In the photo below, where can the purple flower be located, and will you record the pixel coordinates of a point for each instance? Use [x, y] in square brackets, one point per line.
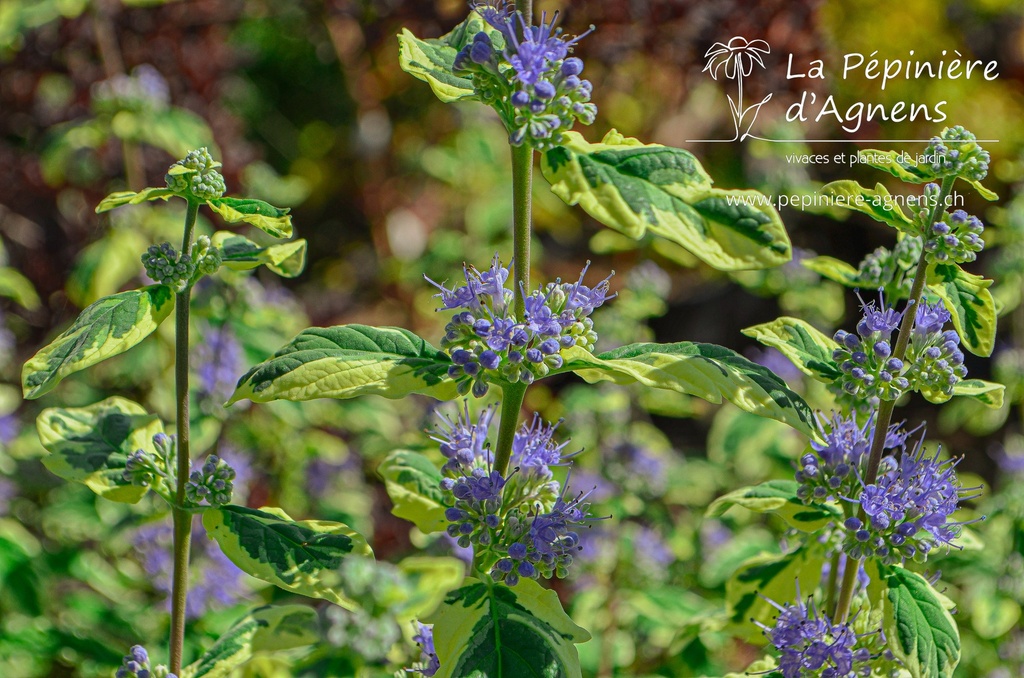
[534, 451]
[488, 342]
[809, 643]
[832, 471]
[908, 508]
[429, 663]
[136, 665]
[881, 320]
[930, 318]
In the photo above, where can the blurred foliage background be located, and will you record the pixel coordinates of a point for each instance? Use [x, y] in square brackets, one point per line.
[306, 106]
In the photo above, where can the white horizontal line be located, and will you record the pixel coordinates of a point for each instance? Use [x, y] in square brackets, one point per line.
[834, 141]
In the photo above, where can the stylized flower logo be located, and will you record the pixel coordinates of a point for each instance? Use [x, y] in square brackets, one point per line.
[737, 58]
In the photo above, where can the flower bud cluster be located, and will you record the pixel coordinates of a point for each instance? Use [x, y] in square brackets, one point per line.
[522, 525]
[956, 153]
[870, 373]
[207, 257]
[888, 269]
[201, 178]
[831, 470]
[488, 343]
[907, 509]
[955, 238]
[529, 77]
[936, 363]
[811, 644]
[142, 468]
[165, 266]
[212, 483]
[136, 665]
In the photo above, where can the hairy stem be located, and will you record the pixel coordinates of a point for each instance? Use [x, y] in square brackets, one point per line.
[182, 518]
[885, 410]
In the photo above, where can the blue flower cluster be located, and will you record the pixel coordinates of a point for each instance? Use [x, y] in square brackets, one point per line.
[523, 524]
[488, 343]
[956, 152]
[211, 483]
[810, 644]
[136, 665]
[907, 509]
[831, 471]
[196, 175]
[936, 363]
[955, 238]
[933, 365]
[527, 73]
[869, 372]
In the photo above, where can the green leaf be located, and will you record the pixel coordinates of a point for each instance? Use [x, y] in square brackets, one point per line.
[985, 392]
[971, 304]
[348, 361]
[431, 60]
[274, 220]
[778, 496]
[431, 579]
[894, 162]
[774, 577]
[107, 328]
[918, 627]
[877, 204]
[634, 187]
[805, 346]
[121, 198]
[489, 629]
[17, 287]
[299, 556]
[704, 370]
[90, 445]
[833, 269]
[414, 485]
[241, 254]
[266, 629]
[982, 191]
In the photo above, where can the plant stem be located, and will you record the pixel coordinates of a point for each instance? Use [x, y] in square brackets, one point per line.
[182, 517]
[522, 231]
[522, 210]
[885, 410]
[511, 402]
[833, 580]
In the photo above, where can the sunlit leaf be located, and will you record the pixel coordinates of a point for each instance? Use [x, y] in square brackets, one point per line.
[348, 361]
[489, 629]
[634, 188]
[105, 329]
[90, 445]
[301, 556]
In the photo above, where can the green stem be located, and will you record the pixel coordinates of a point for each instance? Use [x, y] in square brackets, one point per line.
[833, 580]
[522, 230]
[885, 410]
[182, 517]
[512, 396]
